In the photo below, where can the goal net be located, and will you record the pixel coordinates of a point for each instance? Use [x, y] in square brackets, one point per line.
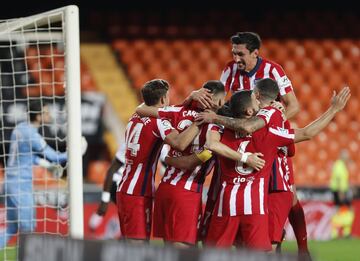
[40, 65]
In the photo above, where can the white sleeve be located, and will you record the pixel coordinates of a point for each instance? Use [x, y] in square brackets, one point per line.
[120, 154]
[266, 114]
[164, 127]
[282, 80]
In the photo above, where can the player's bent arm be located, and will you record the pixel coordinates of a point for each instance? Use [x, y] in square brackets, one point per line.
[106, 195]
[115, 166]
[247, 125]
[180, 141]
[184, 162]
[338, 103]
[292, 106]
[243, 125]
[213, 144]
[54, 156]
[144, 110]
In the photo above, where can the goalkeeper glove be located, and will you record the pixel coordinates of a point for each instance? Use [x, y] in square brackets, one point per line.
[84, 145]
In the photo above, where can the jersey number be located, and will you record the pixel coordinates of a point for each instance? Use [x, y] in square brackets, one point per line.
[239, 165]
[132, 138]
[195, 146]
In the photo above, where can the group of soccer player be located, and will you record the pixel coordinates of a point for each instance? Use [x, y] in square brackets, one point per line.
[246, 142]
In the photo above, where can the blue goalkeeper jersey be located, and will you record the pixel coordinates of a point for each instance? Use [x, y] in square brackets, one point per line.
[27, 146]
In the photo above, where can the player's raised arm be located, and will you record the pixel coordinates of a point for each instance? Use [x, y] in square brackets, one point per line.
[251, 159]
[338, 102]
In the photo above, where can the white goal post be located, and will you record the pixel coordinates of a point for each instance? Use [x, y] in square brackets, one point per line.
[22, 30]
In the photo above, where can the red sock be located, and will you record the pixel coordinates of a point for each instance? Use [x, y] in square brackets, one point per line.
[297, 221]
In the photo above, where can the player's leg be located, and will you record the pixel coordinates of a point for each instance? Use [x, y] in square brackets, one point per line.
[135, 213]
[222, 231]
[11, 221]
[255, 232]
[12, 204]
[159, 213]
[179, 212]
[280, 204]
[26, 208]
[298, 223]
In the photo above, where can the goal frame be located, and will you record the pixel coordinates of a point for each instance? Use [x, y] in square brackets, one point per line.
[72, 98]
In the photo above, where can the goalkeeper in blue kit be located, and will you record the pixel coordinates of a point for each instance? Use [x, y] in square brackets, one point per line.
[27, 148]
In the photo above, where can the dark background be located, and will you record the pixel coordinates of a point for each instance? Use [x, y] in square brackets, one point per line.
[253, 11]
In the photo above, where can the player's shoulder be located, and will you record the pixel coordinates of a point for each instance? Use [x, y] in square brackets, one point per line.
[172, 108]
[136, 118]
[269, 114]
[273, 64]
[25, 127]
[229, 64]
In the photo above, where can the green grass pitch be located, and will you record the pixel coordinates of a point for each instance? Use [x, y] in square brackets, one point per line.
[333, 250]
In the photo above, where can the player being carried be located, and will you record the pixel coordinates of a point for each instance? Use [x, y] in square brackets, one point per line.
[242, 73]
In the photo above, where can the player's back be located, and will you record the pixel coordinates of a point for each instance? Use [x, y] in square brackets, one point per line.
[181, 117]
[144, 139]
[282, 177]
[242, 184]
[25, 142]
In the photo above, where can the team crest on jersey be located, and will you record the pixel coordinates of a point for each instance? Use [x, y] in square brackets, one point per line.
[283, 131]
[266, 113]
[284, 81]
[184, 124]
[166, 125]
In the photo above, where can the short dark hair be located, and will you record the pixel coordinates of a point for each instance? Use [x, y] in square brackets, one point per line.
[267, 88]
[240, 102]
[34, 109]
[154, 90]
[251, 40]
[224, 111]
[214, 86]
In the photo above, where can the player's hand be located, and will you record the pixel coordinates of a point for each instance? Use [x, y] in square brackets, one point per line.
[56, 170]
[95, 221]
[338, 101]
[278, 105]
[84, 145]
[255, 161]
[203, 97]
[102, 208]
[207, 116]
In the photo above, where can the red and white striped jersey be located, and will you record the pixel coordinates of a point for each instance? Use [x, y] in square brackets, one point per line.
[181, 117]
[244, 190]
[234, 80]
[282, 173]
[144, 139]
